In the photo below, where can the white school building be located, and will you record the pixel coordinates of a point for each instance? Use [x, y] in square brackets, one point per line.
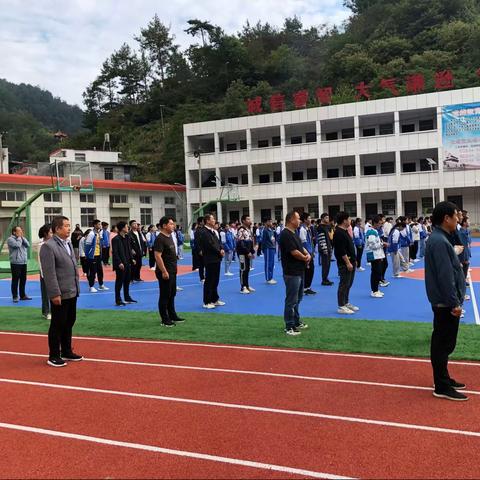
[364, 158]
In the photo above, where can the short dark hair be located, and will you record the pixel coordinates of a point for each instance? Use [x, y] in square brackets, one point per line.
[121, 225]
[57, 222]
[131, 222]
[323, 215]
[44, 229]
[305, 215]
[244, 217]
[15, 228]
[290, 215]
[341, 217]
[377, 219]
[95, 222]
[164, 220]
[207, 217]
[441, 210]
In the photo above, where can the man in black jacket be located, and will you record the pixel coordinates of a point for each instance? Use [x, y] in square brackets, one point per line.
[139, 248]
[122, 264]
[324, 247]
[212, 253]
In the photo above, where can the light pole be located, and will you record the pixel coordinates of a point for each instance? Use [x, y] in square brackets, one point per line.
[1, 153]
[197, 155]
[432, 163]
[181, 199]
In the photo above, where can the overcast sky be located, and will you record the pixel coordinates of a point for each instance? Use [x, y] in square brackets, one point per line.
[60, 45]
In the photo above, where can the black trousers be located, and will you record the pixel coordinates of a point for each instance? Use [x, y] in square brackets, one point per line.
[151, 258]
[19, 276]
[326, 261]
[245, 264]
[358, 257]
[201, 267]
[444, 339]
[210, 287]
[95, 269]
[84, 264]
[105, 255]
[376, 274]
[136, 269]
[346, 282]
[166, 299]
[60, 331]
[309, 272]
[122, 280]
[465, 267]
[259, 249]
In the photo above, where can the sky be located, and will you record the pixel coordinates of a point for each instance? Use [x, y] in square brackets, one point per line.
[61, 45]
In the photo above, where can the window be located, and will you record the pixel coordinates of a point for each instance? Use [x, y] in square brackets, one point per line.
[262, 143]
[425, 125]
[388, 206]
[409, 167]
[333, 210]
[348, 133]
[369, 132]
[265, 178]
[331, 136]
[146, 199]
[313, 210]
[170, 200]
[244, 178]
[146, 216]
[54, 197]
[221, 144]
[457, 200]
[171, 212]
[231, 147]
[349, 170]
[297, 176]
[232, 180]
[13, 196]
[295, 140]
[278, 212]
[387, 168]
[371, 209]
[275, 141]
[411, 209]
[312, 173]
[108, 173]
[277, 176]
[234, 215]
[87, 216]
[80, 157]
[118, 198]
[408, 127]
[427, 205]
[350, 208]
[310, 137]
[332, 173]
[127, 176]
[87, 198]
[243, 144]
[265, 214]
[386, 129]
[370, 170]
[51, 212]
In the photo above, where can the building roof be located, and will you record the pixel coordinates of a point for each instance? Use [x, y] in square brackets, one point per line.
[9, 179]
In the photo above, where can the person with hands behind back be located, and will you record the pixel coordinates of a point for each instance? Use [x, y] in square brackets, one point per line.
[445, 285]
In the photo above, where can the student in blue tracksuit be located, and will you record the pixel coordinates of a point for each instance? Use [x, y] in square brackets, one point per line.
[228, 243]
[269, 246]
[305, 234]
[105, 243]
[464, 234]
[151, 236]
[423, 237]
[359, 242]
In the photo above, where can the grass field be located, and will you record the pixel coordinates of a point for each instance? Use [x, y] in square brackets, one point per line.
[362, 336]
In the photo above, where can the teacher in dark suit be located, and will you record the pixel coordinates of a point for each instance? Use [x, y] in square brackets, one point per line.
[139, 249]
[60, 273]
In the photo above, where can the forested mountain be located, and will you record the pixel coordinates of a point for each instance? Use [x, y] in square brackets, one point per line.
[31, 115]
[214, 76]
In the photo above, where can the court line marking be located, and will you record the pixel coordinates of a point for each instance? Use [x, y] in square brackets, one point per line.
[235, 406]
[249, 348]
[170, 451]
[474, 300]
[243, 372]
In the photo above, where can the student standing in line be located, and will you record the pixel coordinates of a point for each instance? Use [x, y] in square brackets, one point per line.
[345, 255]
[324, 247]
[228, 244]
[375, 255]
[81, 252]
[150, 237]
[199, 231]
[294, 261]
[423, 237]
[359, 241]
[384, 238]
[416, 240]
[18, 247]
[306, 238]
[45, 234]
[465, 256]
[105, 242]
[404, 244]
[445, 285]
[77, 234]
[246, 253]
[139, 247]
[398, 262]
[93, 254]
[180, 241]
[269, 248]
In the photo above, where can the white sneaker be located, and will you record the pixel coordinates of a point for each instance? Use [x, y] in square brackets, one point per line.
[416, 260]
[384, 283]
[272, 282]
[103, 287]
[253, 268]
[351, 307]
[467, 297]
[409, 270]
[245, 290]
[93, 290]
[179, 289]
[345, 310]
[152, 269]
[229, 274]
[202, 281]
[208, 306]
[250, 289]
[376, 294]
[49, 316]
[410, 263]
[397, 276]
[360, 269]
[219, 303]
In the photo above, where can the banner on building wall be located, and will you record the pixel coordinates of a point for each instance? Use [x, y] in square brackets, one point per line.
[461, 136]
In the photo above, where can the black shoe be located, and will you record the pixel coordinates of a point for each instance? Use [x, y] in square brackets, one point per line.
[451, 394]
[139, 280]
[56, 362]
[457, 385]
[26, 297]
[15, 299]
[120, 304]
[130, 300]
[179, 320]
[71, 357]
[309, 291]
[168, 324]
[327, 283]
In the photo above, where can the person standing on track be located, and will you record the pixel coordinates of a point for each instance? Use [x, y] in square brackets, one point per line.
[246, 252]
[59, 268]
[445, 285]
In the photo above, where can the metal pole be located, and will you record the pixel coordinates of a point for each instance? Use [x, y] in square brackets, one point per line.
[1, 153]
[200, 201]
[433, 188]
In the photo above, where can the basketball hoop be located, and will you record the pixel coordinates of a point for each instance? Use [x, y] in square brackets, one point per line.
[76, 188]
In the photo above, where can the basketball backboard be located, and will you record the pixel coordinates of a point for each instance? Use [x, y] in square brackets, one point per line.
[68, 176]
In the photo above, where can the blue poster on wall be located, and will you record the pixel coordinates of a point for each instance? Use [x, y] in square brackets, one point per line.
[461, 136]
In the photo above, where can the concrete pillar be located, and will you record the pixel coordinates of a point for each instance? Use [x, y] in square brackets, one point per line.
[399, 206]
[356, 126]
[219, 212]
[320, 205]
[284, 207]
[441, 195]
[318, 128]
[282, 135]
[216, 141]
[358, 198]
[396, 123]
[250, 175]
[284, 171]
[250, 208]
[249, 139]
[398, 167]
[358, 167]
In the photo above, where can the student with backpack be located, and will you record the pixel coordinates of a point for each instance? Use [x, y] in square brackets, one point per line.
[375, 255]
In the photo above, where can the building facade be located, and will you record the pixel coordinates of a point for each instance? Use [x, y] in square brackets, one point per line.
[364, 158]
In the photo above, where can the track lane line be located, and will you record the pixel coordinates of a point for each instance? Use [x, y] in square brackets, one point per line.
[169, 451]
[241, 372]
[251, 348]
[235, 406]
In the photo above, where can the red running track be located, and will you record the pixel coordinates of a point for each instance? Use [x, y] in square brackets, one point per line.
[313, 441]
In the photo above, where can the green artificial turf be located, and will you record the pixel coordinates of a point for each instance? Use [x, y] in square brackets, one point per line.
[344, 335]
